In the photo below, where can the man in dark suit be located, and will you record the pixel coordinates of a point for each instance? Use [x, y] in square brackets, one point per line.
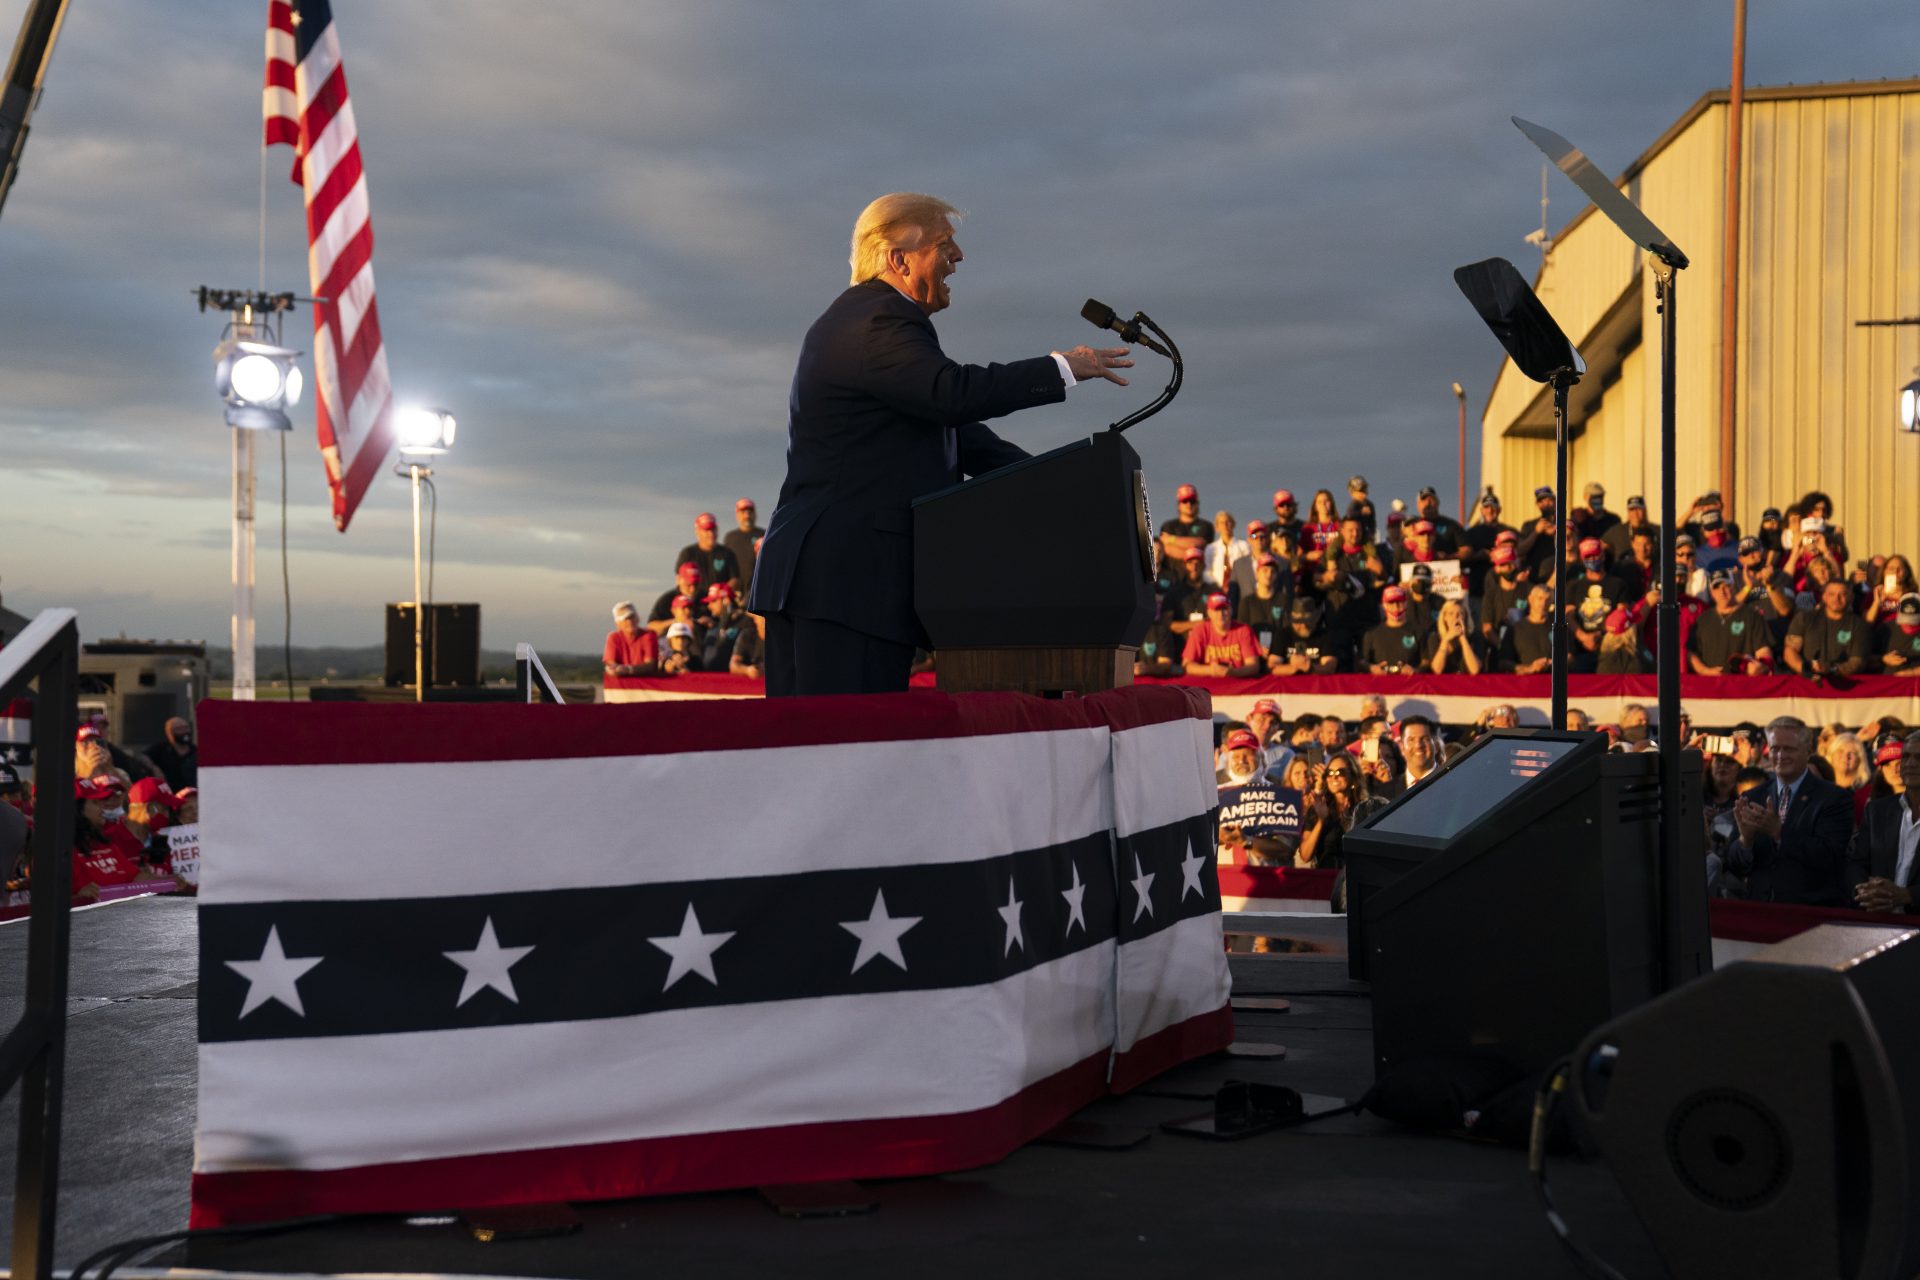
[878, 416]
[1793, 831]
[1880, 861]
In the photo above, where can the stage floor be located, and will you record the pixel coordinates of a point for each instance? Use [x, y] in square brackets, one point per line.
[1351, 1197]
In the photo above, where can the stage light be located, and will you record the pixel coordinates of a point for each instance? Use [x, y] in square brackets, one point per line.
[1910, 406]
[425, 431]
[259, 381]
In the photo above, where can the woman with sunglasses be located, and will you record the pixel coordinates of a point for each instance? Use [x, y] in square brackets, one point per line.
[1343, 799]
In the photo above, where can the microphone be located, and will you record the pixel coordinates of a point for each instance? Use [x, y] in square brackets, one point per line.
[1101, 316]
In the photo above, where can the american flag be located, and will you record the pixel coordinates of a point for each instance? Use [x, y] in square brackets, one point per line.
[460, 955]
[305, 105]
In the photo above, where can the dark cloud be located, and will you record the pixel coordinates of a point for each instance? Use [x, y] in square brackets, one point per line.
[604, 227]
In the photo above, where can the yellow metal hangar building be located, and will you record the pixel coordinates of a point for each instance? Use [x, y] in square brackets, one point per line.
[1829, 234]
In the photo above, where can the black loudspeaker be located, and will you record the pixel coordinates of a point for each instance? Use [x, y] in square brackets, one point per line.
[451, 642]
[1765, 1120]
[1054, 551]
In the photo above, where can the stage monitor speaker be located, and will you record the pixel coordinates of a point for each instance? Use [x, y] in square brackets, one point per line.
[1765, 1120]
[451, 642]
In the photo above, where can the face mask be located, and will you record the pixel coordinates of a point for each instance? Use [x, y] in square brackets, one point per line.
[184, 740]
[1594, 566]
[113, 815]
[1594, 504]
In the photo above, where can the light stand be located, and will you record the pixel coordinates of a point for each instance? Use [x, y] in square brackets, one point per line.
[424, 433]
[259, 380]
[1637, 227]
[1538, 348]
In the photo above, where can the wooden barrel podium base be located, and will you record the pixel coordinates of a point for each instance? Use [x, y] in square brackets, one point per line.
[1049, 672]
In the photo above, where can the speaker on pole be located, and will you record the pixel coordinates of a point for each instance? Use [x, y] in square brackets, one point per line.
[1765, 1120]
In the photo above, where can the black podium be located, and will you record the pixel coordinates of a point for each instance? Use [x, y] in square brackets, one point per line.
[1072, 616]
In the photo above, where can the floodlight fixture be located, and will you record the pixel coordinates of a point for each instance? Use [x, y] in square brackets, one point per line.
[424, 431]
[259, 381]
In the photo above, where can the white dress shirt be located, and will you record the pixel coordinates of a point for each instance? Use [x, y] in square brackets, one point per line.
[1909, 841]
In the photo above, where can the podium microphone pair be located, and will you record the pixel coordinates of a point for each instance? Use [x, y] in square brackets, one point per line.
[1101, 316]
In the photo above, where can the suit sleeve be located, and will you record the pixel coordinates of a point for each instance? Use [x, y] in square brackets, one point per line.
[906, 369]
[1860, 853]
[982, 451]
[1824, 850]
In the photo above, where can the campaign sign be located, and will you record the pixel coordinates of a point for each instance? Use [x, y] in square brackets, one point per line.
[183, 844]
[1261, 809]
[1447, 583]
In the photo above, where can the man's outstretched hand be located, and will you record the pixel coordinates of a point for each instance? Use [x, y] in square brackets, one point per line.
[1097, 362]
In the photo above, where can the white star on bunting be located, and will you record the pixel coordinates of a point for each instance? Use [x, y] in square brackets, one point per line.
[1076, 901]
[691, 949]
[274, 976]
[1190, 874]
[1010, 914]
[879, 933]
[1142, 883]
[487, 966]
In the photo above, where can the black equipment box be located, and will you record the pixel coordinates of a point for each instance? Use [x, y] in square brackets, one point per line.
[451, 644]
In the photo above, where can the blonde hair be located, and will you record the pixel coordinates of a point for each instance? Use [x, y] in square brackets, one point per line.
[1862, 772]
[897, 221]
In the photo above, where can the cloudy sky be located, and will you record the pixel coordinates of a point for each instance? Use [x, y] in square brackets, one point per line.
[603, 227]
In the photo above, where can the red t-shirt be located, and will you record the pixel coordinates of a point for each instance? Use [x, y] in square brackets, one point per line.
[1236, 647]
[632, 651]
[103, 864]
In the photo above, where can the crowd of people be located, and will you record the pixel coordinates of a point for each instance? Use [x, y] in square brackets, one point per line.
[700, 624]
[127, 805]
[1348, 589]
[1332, 589]
[1826, 817]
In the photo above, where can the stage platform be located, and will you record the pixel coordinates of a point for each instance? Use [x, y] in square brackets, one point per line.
[1351, 1197]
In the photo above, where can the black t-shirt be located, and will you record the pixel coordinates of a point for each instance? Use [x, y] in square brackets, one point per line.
[1161, 645]
[1480, 538]
[720, 639]
[663, 607]
[1184, 599]
[1894, 640]
[1420, 612]
[1588, 615]
[1527, 641]
[717, 563]
[1448, 535]
[1499, 598]
[1596, 524]
[1178, 528]
[1717, 638]
[1619, 540]
[748, 646]
[1321, 643]
[1400, 646]
[1829, 640]
[1267, 617]
[740, 542]
[1456, 664]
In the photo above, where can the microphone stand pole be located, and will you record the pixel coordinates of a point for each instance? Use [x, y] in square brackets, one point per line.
[1172, 388]
[1666, 273]
[1562, 380]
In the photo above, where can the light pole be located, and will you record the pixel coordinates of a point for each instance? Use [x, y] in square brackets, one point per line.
[1460, 396]
[424, 433]
[259, 380]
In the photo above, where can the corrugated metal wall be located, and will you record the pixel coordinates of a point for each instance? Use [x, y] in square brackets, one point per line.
[1830, 235]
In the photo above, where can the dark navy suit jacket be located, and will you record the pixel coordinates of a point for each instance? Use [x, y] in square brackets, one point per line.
[1808, 863]
[877, 417]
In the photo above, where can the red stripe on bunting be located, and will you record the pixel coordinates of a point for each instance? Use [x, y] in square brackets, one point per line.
[280, 16]
[240, 734]
[1170, 1046]
[332, 190]
[365, 463]
[890, 1148]
[280, 76]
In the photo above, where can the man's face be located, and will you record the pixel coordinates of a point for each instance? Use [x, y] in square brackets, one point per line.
[717, 606]
[925, 269]
[1417, 742]
[1636, 516]
[703, 538]
[1539, 601]
[1910, 763]
[1396, 611]
[1241, 762]
[745, 515]
[689, 581]
[628, 625]
[1833, 598]
[1285, 510]
[1544, 501]
[1189, 508]
[1490, 512]
[1429, 506]
[1266, 577]
[1218, 617]
[1332, 733]
[1722, 593]
[1725, 768]
[1194, 566]
[1788, 750]
[1350, 532]
[1752, 561]
[1223, 526]
[1373, 705]
[179, 732]
[1262, 723]
[1504, 717]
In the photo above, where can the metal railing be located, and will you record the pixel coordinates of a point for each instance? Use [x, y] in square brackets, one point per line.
[33, 1053]
[531, 678]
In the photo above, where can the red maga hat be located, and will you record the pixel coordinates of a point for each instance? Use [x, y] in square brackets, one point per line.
[705, 520]
[1186, 493]
[1241, 740]
[1284, 497]
[1218, 600]
[1592, 548]
[1394, 595]
[153, 791]
[1268, 705]
[745, 504]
